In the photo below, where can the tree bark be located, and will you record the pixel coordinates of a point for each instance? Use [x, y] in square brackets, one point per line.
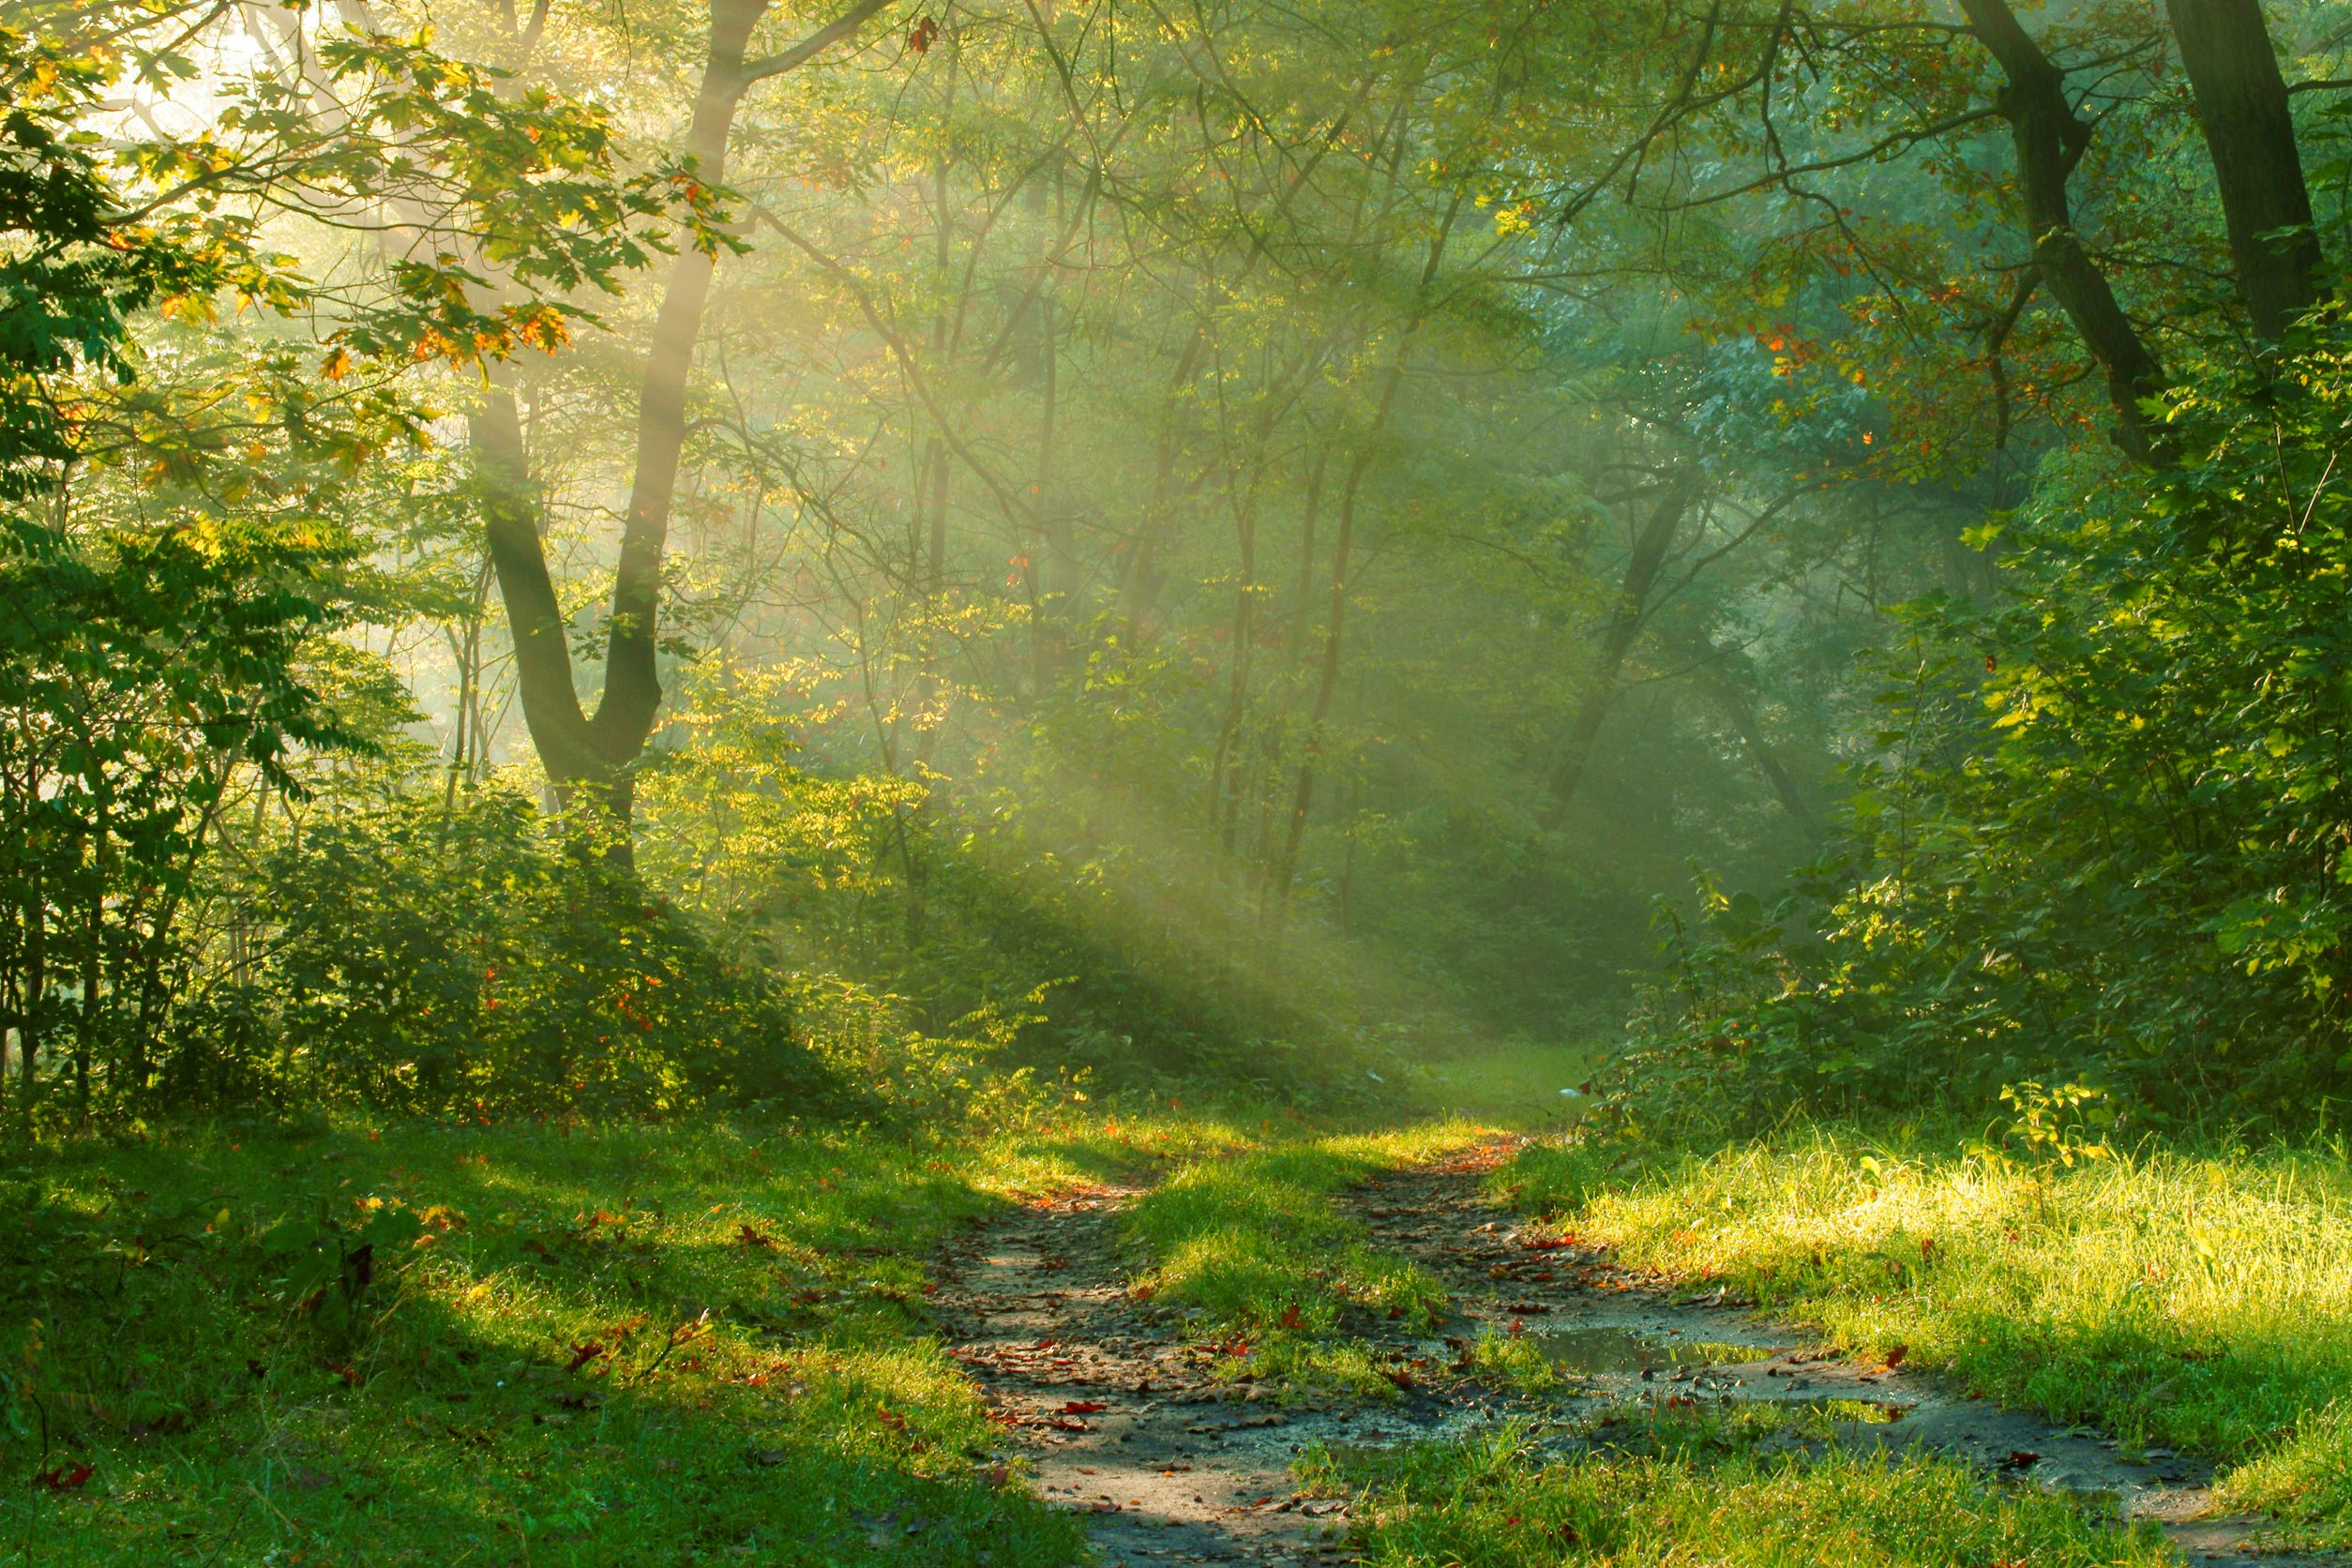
[1624, 625]
[1734, 700]
[592, 755]
[2243, 109]
[2050, 138]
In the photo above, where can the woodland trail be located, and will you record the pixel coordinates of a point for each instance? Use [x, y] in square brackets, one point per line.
[1124, 1419]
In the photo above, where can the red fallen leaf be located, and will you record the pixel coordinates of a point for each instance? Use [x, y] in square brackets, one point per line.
[998, 1475]
[1895, 1356]
[1398, 1375]
[1043, 1345]
[1681, 1402]
[1546, 1244]
[1239, 1348]
[63, 1478]
[1527, 1309]
[746, 1236]
[1291, 1319]
[1082, 1407]
[891, 1419]
[583, 1354]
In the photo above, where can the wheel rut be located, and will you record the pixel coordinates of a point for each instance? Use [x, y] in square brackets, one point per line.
[1123, 1420]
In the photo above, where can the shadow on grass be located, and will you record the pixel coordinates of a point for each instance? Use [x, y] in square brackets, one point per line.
[623, 1346]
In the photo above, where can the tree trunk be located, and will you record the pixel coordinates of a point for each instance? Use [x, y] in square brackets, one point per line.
[2050, 138]
[1737, 706]
[2241, 106]
[1625, 618]
[589, 757]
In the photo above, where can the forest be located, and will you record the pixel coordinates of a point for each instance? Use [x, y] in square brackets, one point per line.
[1112, 782]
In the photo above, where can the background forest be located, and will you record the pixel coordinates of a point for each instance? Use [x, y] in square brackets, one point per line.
[944, 565]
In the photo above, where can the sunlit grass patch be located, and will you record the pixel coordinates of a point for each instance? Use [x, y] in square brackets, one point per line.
[1255, 1254]
[1690, 1490]
[2200, 1303]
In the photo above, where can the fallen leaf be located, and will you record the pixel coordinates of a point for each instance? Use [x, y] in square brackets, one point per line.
[63, 1478]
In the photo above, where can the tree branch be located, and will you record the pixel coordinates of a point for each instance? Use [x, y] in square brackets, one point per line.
[814, 44]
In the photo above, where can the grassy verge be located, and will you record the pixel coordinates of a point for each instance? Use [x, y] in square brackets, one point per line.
[2203, 1304]
[1252, 1253]
[1702, 1488]
[621, 1346]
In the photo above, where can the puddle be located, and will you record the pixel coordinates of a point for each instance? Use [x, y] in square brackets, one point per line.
[1605, 1349]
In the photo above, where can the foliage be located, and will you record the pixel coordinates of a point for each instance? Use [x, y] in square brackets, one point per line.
[433, 955]
[2096, 837]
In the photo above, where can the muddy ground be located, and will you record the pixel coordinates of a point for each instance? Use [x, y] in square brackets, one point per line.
[1125, 1419]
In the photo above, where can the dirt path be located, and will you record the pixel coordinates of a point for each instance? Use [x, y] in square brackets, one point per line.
[1124, 1421]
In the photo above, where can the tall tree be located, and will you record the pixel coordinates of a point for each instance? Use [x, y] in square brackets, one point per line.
[589, 756]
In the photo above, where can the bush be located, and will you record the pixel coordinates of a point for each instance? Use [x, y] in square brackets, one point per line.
[2102, 829]
[471, 957]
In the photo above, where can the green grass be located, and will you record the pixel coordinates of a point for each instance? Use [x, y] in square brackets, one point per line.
[1517, 1090]
[1252, 1253]
[623, 1346]
[1701, 1489]
[2203, 1304]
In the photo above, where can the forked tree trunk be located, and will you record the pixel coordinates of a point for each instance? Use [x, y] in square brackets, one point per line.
[590, 757]
[1626, 615]
[2050, 139]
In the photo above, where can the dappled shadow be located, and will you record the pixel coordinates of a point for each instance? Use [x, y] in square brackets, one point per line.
[623, 1346]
